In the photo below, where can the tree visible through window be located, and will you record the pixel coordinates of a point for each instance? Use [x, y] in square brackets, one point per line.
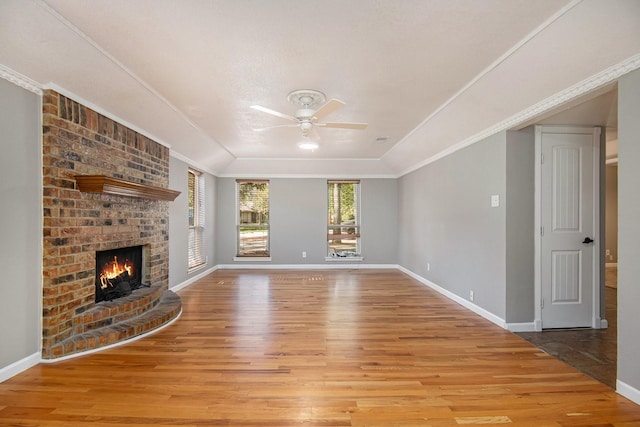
[253, 218]
[196, 218]
[343, 219]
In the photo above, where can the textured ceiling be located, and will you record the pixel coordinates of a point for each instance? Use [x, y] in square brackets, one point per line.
[426, 75]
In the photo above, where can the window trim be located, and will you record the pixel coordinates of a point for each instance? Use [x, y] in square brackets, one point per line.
[199, 259]
[252, 257]
[357, 226]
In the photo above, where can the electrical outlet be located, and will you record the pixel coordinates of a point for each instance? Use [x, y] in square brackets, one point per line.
[304, 254]
[471, 295]
[428, 267]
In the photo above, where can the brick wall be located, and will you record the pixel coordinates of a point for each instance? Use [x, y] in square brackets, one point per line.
[79, 141]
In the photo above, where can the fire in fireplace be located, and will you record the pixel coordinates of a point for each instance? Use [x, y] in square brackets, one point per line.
[118, 272]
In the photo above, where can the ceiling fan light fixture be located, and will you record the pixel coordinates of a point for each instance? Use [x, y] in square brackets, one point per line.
[308, 145]
[306, 126]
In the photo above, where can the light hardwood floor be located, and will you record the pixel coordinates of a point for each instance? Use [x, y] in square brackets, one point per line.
[315, 348]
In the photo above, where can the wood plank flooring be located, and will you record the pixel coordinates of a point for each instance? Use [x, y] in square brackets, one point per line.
[315, 348]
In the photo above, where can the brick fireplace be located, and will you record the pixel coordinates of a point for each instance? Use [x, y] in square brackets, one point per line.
[78, 141]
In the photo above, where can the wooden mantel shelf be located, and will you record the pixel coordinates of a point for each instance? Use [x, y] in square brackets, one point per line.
[121, 187]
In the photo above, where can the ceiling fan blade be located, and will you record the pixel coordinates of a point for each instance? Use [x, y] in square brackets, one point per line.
[358, 126]
[274, 112]
[328, 108]
[274, 127]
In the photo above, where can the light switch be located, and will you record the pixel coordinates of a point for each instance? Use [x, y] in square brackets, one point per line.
[495, 200]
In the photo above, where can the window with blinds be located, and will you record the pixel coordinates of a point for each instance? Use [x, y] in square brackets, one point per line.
[196, 218]
[343, 219]
[252, 218]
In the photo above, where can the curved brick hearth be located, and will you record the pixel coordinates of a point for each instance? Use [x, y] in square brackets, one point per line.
[111, 322]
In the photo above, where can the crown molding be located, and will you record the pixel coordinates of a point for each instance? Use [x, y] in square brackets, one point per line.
[308, 176]
[20, 80]
[590, 84]
[584, 87]
[68, 94]
[192, 163]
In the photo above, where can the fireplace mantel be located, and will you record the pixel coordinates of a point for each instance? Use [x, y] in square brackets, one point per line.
[121, 187]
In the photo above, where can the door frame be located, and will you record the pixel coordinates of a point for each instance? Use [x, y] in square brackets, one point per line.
[596, 321]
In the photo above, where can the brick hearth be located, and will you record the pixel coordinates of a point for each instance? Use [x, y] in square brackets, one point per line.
[80, 141]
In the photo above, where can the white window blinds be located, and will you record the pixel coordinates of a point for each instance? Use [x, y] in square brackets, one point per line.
[196, 218]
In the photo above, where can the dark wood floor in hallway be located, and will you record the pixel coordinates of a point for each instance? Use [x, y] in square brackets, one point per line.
[592, 351]
[315, 348]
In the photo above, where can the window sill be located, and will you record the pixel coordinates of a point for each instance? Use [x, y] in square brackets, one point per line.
[196, 267]
[343, 258]
[252, 259]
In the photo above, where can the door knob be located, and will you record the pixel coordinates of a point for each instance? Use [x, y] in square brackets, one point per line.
[587, 240]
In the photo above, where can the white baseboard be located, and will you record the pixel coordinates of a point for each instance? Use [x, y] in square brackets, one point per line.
[193, 279]
[467, 304]
[328, 266]
[522, 327]
[261, 266]
[628, 391]
[19, 366]
[538, 325]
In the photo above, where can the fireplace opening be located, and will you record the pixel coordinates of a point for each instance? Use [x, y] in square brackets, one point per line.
[118, 272]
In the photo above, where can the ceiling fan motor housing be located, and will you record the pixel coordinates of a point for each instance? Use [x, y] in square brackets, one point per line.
[304, 113]
[307, 98]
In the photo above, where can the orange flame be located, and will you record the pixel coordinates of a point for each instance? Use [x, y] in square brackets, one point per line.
[113, 269]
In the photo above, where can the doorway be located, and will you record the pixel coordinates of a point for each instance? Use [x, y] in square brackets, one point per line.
[593, 351]
[567, 263]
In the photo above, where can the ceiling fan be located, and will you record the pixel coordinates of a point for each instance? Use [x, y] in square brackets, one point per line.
[307, 116]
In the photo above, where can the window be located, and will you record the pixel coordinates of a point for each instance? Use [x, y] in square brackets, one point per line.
[343, 219]
[253, 218]
[196, 218]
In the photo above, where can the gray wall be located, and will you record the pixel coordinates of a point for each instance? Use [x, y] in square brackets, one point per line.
[446, 220]
[611, 209]
[179, 223]
[299, 222]
[629, 229]
[379, 221]
[21, 223]
[520, 207]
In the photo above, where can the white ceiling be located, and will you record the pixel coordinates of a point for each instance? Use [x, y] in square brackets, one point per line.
[429, 75]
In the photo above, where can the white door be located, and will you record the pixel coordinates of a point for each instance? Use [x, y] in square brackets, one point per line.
[568, 216]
